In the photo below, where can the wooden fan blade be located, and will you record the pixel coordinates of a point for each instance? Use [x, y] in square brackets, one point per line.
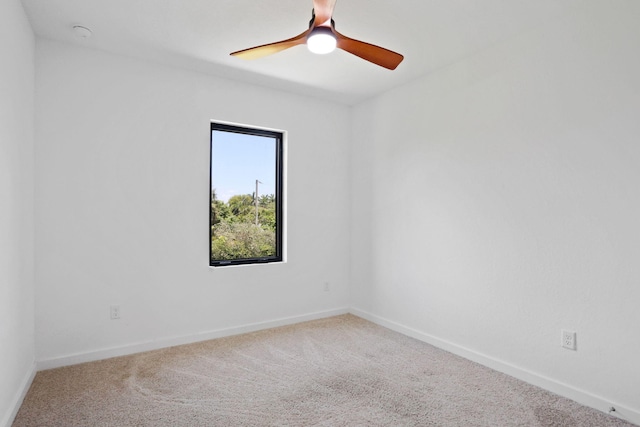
[378, 55]
[323, 11]
[271, 48]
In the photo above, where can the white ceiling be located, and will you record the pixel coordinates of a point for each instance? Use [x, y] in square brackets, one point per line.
[200, 34]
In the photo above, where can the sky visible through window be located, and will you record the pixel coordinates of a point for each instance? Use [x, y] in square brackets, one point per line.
[237, 160]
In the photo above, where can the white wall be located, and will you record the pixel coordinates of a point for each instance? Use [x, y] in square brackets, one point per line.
[496, 202]
[16, 206]
[122, 164]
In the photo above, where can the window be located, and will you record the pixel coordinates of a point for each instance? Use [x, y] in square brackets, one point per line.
[246, 218]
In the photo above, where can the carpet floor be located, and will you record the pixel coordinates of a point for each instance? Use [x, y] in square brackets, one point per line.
[340, 371]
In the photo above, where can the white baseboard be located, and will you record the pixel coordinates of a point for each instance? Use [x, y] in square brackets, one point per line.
[581, 396]
[19, 397]
[74, 359]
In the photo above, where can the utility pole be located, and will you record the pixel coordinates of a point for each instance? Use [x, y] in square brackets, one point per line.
[257, 182]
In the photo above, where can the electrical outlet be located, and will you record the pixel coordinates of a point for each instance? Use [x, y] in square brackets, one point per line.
[115, 312]
[569, 339]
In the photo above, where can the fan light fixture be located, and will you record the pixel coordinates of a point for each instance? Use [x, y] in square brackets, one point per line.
[321, 41]
[321, 37]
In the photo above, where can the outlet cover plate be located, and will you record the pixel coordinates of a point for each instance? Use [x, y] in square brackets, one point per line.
[568, 340]
[115, 312]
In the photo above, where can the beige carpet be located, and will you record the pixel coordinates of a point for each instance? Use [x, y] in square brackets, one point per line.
[341, 371]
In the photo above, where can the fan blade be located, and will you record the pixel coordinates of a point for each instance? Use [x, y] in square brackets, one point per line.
[378, 55]
[271, 48]
[323, 11]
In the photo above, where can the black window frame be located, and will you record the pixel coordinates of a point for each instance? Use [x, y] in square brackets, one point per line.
[279, 143]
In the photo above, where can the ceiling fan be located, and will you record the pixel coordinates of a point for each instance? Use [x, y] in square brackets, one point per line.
[322, 37]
